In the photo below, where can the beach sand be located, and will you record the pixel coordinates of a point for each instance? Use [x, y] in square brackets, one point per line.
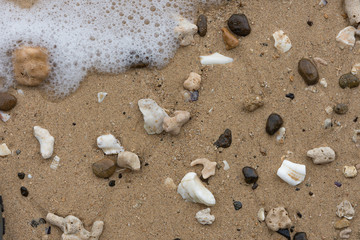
[139, 206]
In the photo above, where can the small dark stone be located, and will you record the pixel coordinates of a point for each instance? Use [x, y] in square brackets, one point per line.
[237, 205]
[355, 119]
[284, 232]
[349, 80]
[254, 186]
[292, 229]
[273, 123]
[7, 101]
[18, 152]
[194, 96]
[297, 189]
[21, 175]
[112, 183]
[299, 214]
[202, 25]
[338, 184]
[250, 175]
[290, 95]
[300, 236]
[308, 71]
[24, 191]
[224, 140]
[104, 168]
[341, 108]
[34, 224]
[311, 193]
[239, 24]
[120, 175]
[42, 221]
[48, 230]
[238, 229]
[310, 23]
[177, 239]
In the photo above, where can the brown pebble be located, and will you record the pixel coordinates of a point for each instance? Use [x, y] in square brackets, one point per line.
[104, 168]
[308, 71]
[229, 39]
[7, 101]
[342, 223]
[252, 103]
[202, 25]
[357, 166]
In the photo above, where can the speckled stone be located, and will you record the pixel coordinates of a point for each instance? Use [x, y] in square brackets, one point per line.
[104, 168]
[239, 24]
[7, 101]
[308, 71]
[349, 80]
[273, 123]
[202, 25]
[341, 108]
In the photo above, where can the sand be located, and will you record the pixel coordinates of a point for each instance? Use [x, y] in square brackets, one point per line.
[139, 206]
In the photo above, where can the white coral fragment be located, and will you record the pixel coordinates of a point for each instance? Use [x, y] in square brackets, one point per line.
[185, 31]
[4, 150]
[173, 125]
[153, 116]
[209, 167]
[46, 141]
[292, 173]
[204, 217]
[282, 41]
[101, 96]
[109, 144]
[191, 189]
[321, 155]
[215, 58]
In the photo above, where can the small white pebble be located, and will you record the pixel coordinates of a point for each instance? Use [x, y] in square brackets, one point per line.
[349, 171]
[323, 83]
[226, 165]
[327, 123]
[20, 91]
[4, 116]
[4, 150]
[101, 96]
[29, 176]
[329, 110]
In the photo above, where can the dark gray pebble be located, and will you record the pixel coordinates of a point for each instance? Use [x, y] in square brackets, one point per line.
[202, 25]
[300, 236]
[250, 175]
[284, 232]
[194, 96]
[24, 191]
[21, 175]
[349, 80]
[273, 123]
[341, 108]
[224, 140]
[237, 205]
[239, 24]
[308, 71]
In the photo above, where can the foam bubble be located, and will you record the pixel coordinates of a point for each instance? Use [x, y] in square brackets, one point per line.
[81, 35]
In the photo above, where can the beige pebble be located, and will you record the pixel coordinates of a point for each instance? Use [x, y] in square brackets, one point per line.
[229, 39]
[342, 223]
[345, 209]
[128, 160]
[193, 82]
[204, 217]
[349, 171]
[169, 183]
[173, 125]
[4, 150]
[278, 218]
[252, 103]
[261, 215]
[209, 167]
[321, 155]
[345, 234]
[357, 166]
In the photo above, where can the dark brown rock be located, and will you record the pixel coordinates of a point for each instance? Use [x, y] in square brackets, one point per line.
[104, 168]
[7, 101]
[341, 108]
[224, 140]
[349, 80]
[239, 24]
[273, 123]
[308, 71]
[250, 175]
[202, 25]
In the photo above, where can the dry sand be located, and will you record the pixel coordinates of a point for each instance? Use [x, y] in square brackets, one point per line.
[139, 206]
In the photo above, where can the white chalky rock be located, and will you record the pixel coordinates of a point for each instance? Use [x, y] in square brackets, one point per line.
[128, 160]
[323, 82]
[328, 123]
[204, 217]
[153, 116]
[278, 218]
[73, 228]
[191, 189]
[101, 96]
[321, 155]
[345, 209]
[292, 173]
[185, 31]
[173, 125]
[209, 167]
[346, 37]
[329, 110]
[193, 82]
[109, 144]
[352, 9]
[55, 163]
[261, 215]
[282, 41]
[215, 58]
[280, 138]
[46, 141]
[226, 165]
[355, 69]
[349, 171]
[4, 150]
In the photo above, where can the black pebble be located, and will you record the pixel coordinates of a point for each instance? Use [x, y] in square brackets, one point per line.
[24, 191]
[273, 123]
[300, 236]
[112, 183]
[299, 214]
[297, 189]
[202, 25]
[308, 71]
[311, 193]
[310, 23]
[48, 230]
[194, 96]
[254, 186]
[290, 95]
[224, 140]
[237, 205]
[18, 152]
[34, 224]
[21, 175]
[120, 175]
[239, 24]
[284, 232]
[250, 175]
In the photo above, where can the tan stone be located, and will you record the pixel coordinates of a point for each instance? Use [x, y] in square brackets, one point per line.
[252, 103]
[342, 223]
[128, 160]
[229, 39]
[349, 171]
[193, 82]
[173, 125]
[209, 167]
[104, 168]
[278, 218]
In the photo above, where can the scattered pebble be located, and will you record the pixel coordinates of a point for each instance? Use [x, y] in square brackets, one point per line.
[101, 96]
[278, 218]
[342, 223]
[21, 175]
[300, 236]
[355, 69]
[292, 173]
[29, 176]
[308, 71]
[229, 39]
[191, 189]
[261, 215]
[328, 123]
[202, 25]
[285, 233]
[323, 83]
[104, 168]
[46, 141]
[194, 96]
[341, 108]
[186, 95]
[224, 140]
[338, 184]
[280, 138]
[209, 167]
[282, 41]
[290, 95]
[273, 123]
[346, 37]
[350, 171]
[55, 163]
[321, 155]
[24, 192]
[237, 205]
[185, 31]
[348, 80]
[169, 183]
[153, 116]
[112, 183]
[128, 160]
[4, 116]
[204, 217]
[250, 175]
[345, 209]
[355, 136]
[226, 165]
[321, 61]
[109, 144]
[239, 24]
[7, 101]
[215, 58]
[252, 103]
[352, 9]
[192, 83]
[4, 150]
[173, 125]
[345, 234]
[329, 110]
[18, 152]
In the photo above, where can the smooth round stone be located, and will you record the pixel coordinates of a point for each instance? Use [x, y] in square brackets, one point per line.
[104, 168]
[300, 236]
[308, 71]
[24, 191]
[273, 123]
[250, 175]
[349, 80]
[202, 25]
[239, 24]
[341, 108]
[7, 101]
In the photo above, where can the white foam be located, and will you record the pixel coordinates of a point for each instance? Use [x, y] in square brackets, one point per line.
[82, 35]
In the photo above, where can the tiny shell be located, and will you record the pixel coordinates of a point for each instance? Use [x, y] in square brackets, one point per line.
[55, 163]
[215, 58]
[4, 150]
[282, 41]
[109, 144]
[101, 96]
[292, 173]
[346, 37]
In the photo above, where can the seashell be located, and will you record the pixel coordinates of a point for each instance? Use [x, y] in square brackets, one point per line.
[46, 141]
[153, 116]
[4, 150]
[191, 189]
[346, 37]
[345, 209]
[55, 163]
[101, 96]
[282, 41]
[215, 58]
[292, 173]
[109, 144]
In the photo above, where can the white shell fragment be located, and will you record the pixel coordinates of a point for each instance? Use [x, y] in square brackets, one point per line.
[226, 165]
[282, 41]
[46, 141]
[173, 125]
[128, 160]
[323, 3]
[355, 69]
[101, 96]
[4, 150]
[345, 209]
[352, 9]
[153, 116]
[4, 116]
[349, 171]
[185, 31]
[346, 37]
[209, 167]
[292, 173]
[191, 189]
[55, 163]
[323, 83]
[321, 155]
[204, 217]
[215, 58]
[280, 138]
[109, 144]
[328, 123]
